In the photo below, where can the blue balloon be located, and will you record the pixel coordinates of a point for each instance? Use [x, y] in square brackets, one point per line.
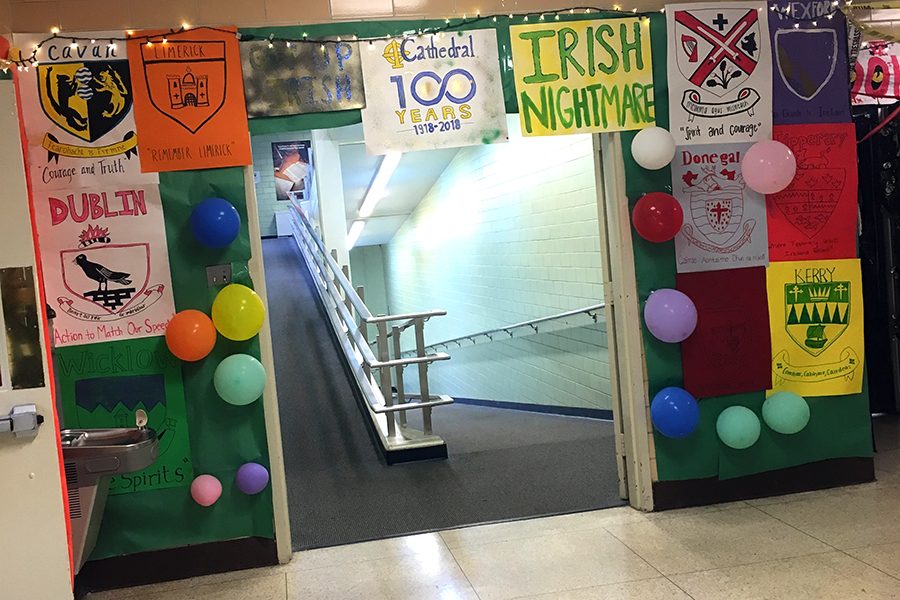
[215, 222]
[675, 413]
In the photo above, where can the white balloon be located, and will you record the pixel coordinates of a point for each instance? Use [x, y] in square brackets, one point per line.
[653, 148]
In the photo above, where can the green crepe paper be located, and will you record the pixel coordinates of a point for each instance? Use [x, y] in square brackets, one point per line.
[839, 425]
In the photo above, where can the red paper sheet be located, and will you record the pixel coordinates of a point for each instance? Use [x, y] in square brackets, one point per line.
[730, 351]
[815, 217]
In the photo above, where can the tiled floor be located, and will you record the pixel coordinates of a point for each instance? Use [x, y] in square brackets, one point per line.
[835, 544]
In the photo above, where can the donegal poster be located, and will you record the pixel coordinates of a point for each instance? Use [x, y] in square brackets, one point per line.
[720, 72]
[105, 262]
[433, 91]
[816, 320]
[876, 74]
[815, 216]
[189, 100]
[810, 62]
[724, 220]
[76, 106]
[583, 76]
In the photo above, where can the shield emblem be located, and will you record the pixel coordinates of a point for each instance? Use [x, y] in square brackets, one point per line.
[816, 314]
[812, 197]
[111, 277]
[803, 77]
[87, 99]
[717, 214]
[186, 80]
[719, 48]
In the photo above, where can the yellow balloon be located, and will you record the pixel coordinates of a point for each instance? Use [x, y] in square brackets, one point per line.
[238, 312]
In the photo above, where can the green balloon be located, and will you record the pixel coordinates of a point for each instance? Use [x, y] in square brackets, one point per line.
[240, 379]
[785, 412]
[738, 427]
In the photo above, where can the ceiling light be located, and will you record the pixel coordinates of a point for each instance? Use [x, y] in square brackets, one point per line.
[379, 184]
[355, 229]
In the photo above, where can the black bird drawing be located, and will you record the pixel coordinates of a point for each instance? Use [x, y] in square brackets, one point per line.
[101, 274]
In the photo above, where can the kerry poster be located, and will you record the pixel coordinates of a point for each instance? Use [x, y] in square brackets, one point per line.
[815, 216]
[106, 263]
[189, 100]
[724, 220]
[77, 108]
[816, 320]
[720, 72]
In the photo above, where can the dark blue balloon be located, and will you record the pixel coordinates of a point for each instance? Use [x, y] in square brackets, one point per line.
[215, 222]
[675, 413]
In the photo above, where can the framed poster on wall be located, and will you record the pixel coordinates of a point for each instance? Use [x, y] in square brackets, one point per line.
[292, 162]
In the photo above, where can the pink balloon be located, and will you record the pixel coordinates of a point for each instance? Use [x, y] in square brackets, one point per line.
[769, 167]
[205, 490]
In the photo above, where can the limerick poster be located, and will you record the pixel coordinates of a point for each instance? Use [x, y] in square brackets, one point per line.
[816, 320]
[433, 91]
[720, 72]
[106, 263]
[724, 220]
[76, 106]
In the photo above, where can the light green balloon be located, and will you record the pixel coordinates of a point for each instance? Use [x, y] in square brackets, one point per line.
[738, 427]
[786, 412]
[240, 379]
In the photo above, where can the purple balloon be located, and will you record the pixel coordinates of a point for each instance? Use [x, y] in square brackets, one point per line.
[252, 478]
[670, 315]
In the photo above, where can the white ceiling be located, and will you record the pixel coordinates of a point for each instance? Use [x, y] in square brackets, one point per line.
[415, 175]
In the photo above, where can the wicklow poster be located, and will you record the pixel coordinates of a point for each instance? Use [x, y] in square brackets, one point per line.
[583, 76]
[804, 90]
[724, 220]
[816, 320]
[815, 216]
[106, 263]
[433, 91]
[189, 100]
[720, 72]
[77, 108]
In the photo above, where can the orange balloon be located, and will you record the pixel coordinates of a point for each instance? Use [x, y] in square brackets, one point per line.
[190, 335]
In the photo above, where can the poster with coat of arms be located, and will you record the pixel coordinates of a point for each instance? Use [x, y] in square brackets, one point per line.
[724, 220]
[76, 106]
[816, 321]
[719, 72]
[105, 262]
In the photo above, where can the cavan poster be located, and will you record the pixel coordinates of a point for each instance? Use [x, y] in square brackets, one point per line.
[583, 76]
[810, 63]
[189, 100]
[281, 79]
[433, 91]
[815, 216]
[293, 169]
[876, 75]
[77, 109]
[816, 320]
[105, 262]
[105, 385]
[724, 220]
[720, 72]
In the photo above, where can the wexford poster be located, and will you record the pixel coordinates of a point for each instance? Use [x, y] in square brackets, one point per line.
[76, 105]
[720, 72]
[433, 91]
[106, 263]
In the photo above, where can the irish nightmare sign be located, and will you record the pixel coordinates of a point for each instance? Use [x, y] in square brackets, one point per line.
[583, 76]
[433, 91]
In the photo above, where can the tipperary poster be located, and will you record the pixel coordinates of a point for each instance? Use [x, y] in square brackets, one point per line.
[189, 100]
[106, 263]
[816, 320]
[433, 91]
[811, 71]
[76, 106]
[815, 216]
[720, 72]
[583, 76]
[724, 220]
[291, 79]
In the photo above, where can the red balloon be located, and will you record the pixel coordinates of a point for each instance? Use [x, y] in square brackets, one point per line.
[4, 48]
[657, 217]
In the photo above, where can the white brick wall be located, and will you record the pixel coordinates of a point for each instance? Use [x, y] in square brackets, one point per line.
[261, 147]
[508, 233]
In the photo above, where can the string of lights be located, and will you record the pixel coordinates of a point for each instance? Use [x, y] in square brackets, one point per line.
[450, 25]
